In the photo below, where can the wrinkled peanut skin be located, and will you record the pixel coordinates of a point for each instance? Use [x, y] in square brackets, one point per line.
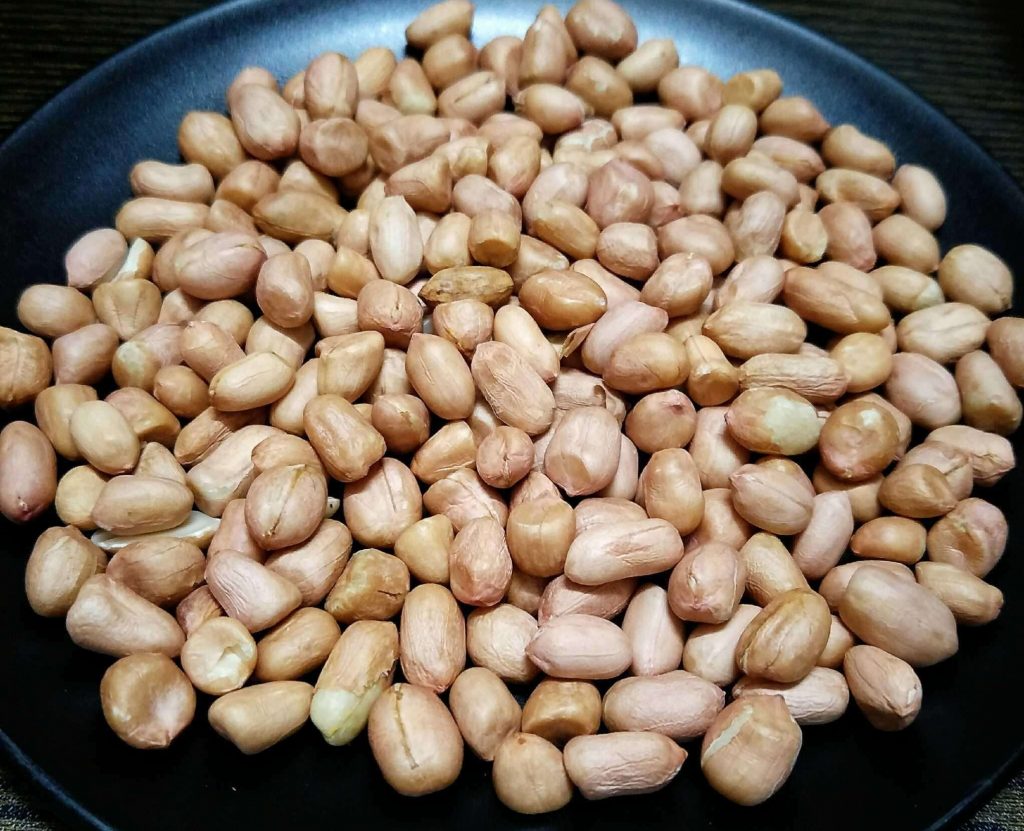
[750, 749]
[415, 740]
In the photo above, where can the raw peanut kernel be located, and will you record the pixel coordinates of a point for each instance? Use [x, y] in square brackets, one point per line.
[574, 369]
[768, 420]
[750, 749]
[784, 641]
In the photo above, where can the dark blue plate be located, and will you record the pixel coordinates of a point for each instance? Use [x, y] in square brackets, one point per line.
[66, 171]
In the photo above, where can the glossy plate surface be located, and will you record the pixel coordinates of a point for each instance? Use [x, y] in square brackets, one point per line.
[66, 171]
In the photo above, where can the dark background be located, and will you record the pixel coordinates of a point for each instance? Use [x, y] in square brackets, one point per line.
[967, 58]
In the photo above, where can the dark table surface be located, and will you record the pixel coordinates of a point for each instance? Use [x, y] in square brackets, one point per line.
[965, 56]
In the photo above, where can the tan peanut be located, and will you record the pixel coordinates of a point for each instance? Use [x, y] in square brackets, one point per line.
[971, 536]
[147, 700]
[707, 584]
[529, 775]
[372, 586]
[886, 689]
[900, 616]
[241, 716]
[750, 749]
[484, 710]
[653, 761]
[611, 552]
[676, 704]
[414, 740]
[971, 600]
[580, 646]
[60, 563]
[296, 646]
[110, 618]
[359, 667]
[783, 643]
[655, 634]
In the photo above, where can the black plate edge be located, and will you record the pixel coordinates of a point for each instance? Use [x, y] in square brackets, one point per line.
[47, 792]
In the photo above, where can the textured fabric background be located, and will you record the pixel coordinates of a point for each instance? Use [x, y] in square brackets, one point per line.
[965, 56]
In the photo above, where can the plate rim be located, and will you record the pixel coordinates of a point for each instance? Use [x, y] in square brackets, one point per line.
[49, 794]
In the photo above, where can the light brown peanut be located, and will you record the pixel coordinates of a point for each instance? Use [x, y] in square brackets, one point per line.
[479, 562]
[653, 761]
[858, 440]
[825, 539]
[497, 638]
[991, 456]
[770, 569]
[250, 592]
[346, 444]
[886, 689]
[893, 538]
[440, 376]
[820, 697]
[772, 499]
[972, 274]
[783, 643]
[989, 401]
[971, 600]
[972, 536]
[559, 710]
[529, 775]
[219, 656]
[750, 749]
[1004, 340]
[485, 710]
[240, 716]
[359, 668]
[716, 453]
[110, 618]
[900, 616]
[744, 329]
[580, 646]
[611, 552]
[315, 564]
[770, 420]
[707, 584]
[655, 634]
[103, 437]
[296, 646]
[28, 471]
[147, 700]
[60, 563]
[676, 704]
[163, 570]
[917, 491]
[433, 637]
[373, 586]
[414, 740]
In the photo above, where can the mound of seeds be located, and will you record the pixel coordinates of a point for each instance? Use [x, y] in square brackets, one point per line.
[448, 405]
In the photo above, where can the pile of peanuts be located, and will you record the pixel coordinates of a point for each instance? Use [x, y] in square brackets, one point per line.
[558, 362]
